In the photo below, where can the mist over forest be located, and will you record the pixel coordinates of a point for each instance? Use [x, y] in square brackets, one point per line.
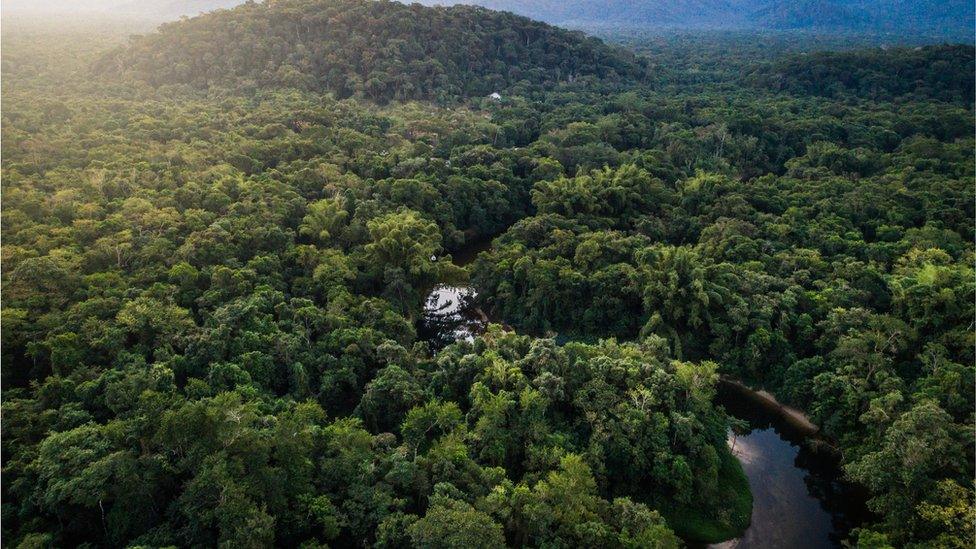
[950, 19]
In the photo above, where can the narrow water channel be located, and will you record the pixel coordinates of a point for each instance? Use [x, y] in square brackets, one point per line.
[800, 499]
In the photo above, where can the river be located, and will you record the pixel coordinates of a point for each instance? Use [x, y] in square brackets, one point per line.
[799, 497]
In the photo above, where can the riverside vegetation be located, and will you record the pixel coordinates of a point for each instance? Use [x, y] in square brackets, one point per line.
[218, 239]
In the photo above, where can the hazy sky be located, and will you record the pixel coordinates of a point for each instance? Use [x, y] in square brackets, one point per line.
[949, 18]
[62, 5]
[189, 7]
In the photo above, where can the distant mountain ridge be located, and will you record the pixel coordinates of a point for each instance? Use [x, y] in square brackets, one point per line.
[950, 18]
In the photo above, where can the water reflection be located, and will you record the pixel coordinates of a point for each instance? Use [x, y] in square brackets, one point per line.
[799, 496]
[451, 314]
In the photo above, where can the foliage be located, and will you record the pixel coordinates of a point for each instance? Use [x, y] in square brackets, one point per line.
[377, 50]
[213, 271]
[936, 72]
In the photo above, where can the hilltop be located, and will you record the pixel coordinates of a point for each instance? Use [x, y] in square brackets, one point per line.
[375, 50]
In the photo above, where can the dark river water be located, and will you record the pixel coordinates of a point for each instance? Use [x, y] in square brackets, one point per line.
[799, 497]
[451, 312]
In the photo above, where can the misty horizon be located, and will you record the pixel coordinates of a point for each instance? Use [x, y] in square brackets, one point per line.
[951, 20]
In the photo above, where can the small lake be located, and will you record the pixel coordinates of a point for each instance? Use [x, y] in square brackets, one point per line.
[451, 312]
[800, 499]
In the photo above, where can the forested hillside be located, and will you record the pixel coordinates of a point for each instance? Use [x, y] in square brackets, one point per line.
[376, 50]
[820, 247]
[218, 241]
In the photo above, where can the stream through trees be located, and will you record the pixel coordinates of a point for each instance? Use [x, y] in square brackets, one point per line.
[800, 499]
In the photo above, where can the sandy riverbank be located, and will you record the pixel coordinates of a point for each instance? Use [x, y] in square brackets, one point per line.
[795, 417]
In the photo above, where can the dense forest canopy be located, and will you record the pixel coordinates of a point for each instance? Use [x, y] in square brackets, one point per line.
[932, 72]
[376, 50]
[218, 240]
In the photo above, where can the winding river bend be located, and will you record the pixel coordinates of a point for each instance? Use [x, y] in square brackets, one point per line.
[800, 499]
